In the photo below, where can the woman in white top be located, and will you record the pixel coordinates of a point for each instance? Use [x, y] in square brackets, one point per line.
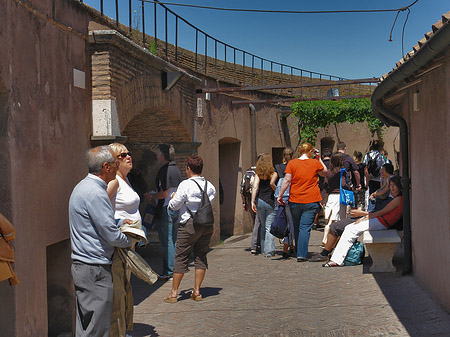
[124, 199]
[125, 202]
[191, 238]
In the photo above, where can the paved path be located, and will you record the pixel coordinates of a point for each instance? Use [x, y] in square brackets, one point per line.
[247, 295]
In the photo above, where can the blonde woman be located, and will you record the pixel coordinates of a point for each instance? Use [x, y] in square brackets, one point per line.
[304, 195]
[264, 207]
[124, 199]
[125, 202]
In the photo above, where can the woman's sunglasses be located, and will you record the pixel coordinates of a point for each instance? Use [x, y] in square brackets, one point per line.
[124, 154]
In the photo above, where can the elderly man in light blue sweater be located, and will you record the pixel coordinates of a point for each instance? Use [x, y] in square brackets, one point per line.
[94, 233]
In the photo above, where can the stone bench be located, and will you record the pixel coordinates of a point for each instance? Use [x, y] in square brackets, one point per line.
[381, 246]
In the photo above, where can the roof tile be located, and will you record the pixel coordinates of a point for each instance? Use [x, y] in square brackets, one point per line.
[435, 28]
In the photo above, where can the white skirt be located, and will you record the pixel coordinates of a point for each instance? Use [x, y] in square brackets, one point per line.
[334, 211]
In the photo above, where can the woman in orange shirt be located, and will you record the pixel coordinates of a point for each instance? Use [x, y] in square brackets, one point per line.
[304, 195]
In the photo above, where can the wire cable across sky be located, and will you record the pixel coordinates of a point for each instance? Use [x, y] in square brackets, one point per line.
[283, 11]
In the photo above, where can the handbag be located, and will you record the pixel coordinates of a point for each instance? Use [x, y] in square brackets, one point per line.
[355, 254]
[204, 215]
[346, 197]
[279, 227]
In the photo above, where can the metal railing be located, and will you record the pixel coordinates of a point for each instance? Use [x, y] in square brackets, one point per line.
[212, 57]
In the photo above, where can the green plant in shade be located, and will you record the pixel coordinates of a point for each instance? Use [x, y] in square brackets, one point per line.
[313, 115]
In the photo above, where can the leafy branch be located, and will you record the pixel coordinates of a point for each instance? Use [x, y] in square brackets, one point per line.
[313, 115]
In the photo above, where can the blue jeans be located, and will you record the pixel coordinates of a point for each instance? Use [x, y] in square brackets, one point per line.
[266, 215]
[303, 217]
[167, 232]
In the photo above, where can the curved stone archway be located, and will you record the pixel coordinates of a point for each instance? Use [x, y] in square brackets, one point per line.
[327, 142]
[156, 125]
[148, 114]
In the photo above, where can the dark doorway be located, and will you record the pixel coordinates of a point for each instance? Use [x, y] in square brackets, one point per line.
[229, 152]
[327, 142]
[277, 155]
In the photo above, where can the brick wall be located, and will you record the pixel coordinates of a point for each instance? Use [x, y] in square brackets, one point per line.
[126, 74]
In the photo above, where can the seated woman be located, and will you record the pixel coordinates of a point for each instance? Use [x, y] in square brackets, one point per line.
[380, 198]
[379, 220]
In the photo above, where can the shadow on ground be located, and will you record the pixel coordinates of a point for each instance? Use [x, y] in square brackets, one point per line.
[141, 330]
[152, 253]
[206, 292]
[399, 290]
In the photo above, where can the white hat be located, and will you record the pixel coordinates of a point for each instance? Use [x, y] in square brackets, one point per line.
[134, 228]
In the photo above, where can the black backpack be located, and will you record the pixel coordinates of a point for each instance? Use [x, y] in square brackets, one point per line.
[204, 215]
[279, 227]
[372, 166]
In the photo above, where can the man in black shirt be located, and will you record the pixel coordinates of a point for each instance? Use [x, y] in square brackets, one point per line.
[350, 166]
[167, 181]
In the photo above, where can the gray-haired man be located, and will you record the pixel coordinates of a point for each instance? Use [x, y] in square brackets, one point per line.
[94, 233]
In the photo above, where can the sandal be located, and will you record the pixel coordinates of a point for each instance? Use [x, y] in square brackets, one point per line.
[196, 297]
[170, 299]
[331, 264]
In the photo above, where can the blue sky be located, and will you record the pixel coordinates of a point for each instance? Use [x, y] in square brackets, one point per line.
[346, 45]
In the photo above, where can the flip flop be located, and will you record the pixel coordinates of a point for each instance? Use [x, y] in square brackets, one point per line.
[170, 299]
[331, 264]
[196, 297]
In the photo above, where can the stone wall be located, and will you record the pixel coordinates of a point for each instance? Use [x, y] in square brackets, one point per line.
[428, 124]
[45, 123]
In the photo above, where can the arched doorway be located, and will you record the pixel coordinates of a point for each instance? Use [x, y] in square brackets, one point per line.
[229, 153]
[144, 132]
[327, 142]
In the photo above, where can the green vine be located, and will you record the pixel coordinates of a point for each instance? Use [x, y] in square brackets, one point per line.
[313, 115]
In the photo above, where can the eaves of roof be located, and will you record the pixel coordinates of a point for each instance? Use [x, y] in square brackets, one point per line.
[432, 45]
[421, 44]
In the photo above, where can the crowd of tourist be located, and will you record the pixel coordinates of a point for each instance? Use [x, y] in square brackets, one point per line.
[309, 183]
[106, 224]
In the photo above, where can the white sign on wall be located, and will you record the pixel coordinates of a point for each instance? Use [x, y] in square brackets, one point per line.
[79, 79]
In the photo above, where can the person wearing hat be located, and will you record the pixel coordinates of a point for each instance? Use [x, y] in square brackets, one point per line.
[93, 234]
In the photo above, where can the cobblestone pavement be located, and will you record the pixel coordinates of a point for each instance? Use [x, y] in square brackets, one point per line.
[247, 295]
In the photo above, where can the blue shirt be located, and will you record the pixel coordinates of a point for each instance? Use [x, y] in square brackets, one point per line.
[93, 230]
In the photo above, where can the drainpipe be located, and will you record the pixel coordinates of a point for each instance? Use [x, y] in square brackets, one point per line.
[435, 45]
[406, 181]
[253, 132]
